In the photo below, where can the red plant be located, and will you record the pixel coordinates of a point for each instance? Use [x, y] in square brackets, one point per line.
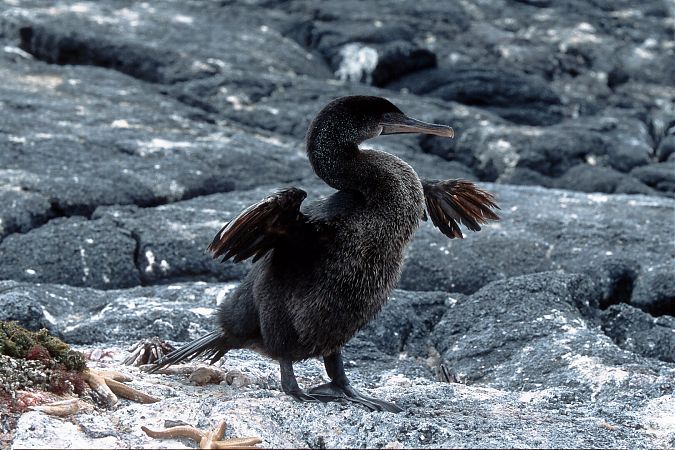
[62, 381]
[38, 353]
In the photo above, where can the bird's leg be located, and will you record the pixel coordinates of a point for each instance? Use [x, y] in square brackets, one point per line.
[290, 385]
[339, 388]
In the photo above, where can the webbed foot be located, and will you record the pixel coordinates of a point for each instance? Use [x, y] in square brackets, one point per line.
[302, 396]
[331, 392]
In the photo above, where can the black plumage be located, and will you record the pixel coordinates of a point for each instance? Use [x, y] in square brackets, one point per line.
[324, 271]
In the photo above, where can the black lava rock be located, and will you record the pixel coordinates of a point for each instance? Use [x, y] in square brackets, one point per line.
[660, 176]
[76, 251]
[639, 332]
[22, 308]
[505, 93]
[655, 290]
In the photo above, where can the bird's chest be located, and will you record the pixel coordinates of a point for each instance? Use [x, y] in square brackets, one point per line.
[366, 264]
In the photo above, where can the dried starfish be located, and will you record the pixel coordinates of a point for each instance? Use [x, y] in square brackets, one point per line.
[447, 375]
[60, 408]
[147, 351]
[206, 439]
[106, 383]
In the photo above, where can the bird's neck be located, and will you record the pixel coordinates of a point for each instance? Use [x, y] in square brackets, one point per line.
[379, 177]
[336, 164]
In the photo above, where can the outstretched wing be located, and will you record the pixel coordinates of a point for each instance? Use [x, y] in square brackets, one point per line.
[260, 227]
[452, 202]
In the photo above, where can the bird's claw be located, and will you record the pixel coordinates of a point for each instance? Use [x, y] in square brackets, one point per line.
[302, 396]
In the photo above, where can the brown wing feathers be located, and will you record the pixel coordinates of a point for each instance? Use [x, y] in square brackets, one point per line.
[452, 202]
[259, 227]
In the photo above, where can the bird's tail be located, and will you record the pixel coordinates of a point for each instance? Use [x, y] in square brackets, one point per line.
[212, 346]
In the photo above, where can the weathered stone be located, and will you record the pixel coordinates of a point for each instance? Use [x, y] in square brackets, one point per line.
[542, 230]
[501, 92]
[131, 133]
[666, 147]
[399, 58]
[72, 46]
[655, 289]
[23, 210]
[23, 308]
[587, 178]
[528, 333]
[76, 251]
[86, 316]
[358, 52]
[172, 239]
[526, 177]
[660, 176]
[403, 326]
[614, 279]
[521, 344]
[639, 332]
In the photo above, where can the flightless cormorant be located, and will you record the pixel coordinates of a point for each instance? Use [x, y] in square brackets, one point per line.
[322, 272]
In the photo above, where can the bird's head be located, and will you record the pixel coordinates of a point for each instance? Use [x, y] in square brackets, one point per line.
[354, 119]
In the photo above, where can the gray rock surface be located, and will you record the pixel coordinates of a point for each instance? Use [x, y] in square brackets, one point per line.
[639, 332]
[541, 230]
[655, 289]
[131, 132]
[83, 252]
[497, 341]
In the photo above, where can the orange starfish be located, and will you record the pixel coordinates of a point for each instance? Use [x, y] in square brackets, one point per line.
[206, 439]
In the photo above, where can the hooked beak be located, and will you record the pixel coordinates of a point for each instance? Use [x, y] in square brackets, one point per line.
[396, 123]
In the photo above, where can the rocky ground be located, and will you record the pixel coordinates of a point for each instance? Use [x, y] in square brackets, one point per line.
[131, 131]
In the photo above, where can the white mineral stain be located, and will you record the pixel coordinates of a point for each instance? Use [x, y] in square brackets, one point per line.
[598, 198]
[658, 417]
[16, 139]
[150, 257]
[164, 266]
[17, 51]
[179, 18]
[80, 8]
[357, 61]
[176, 190]
[597, 374]
[502, 145]
[58, 433]
[536, 396]
[85, 267]
[119, 123]
[235, 102]
[51, 319]
[165, 144]
[206, 312]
